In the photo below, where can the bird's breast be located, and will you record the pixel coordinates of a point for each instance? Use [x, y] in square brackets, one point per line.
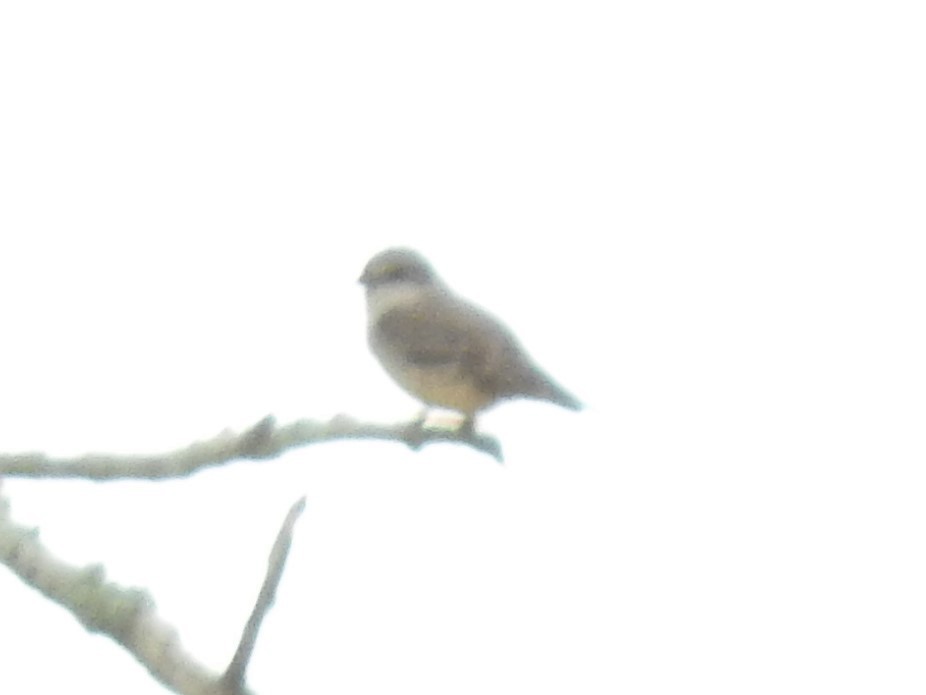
[440, 385]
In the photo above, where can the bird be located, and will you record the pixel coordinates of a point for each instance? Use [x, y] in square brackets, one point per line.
[442, 349]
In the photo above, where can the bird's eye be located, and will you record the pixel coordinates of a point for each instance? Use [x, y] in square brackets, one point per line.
[396, 273]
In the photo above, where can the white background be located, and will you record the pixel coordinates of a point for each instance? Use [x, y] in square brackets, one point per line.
[705, 219]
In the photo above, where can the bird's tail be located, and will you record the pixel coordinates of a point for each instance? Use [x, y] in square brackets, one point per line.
[548, 390]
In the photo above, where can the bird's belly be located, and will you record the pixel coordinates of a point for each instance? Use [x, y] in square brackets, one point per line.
[438, 385]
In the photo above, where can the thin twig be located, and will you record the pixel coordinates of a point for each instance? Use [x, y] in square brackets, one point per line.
[264, 440]
[234, 675]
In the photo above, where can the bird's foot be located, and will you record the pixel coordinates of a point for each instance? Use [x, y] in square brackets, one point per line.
[467, 428]
[416, 434]
[467, 432]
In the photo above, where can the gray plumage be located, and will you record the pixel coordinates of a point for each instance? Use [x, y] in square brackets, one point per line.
[441, 348]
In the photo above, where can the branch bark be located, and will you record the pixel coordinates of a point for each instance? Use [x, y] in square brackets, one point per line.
[263, 440]
[128, 616]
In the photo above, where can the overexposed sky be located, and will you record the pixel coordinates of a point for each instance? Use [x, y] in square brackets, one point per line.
[706, 220]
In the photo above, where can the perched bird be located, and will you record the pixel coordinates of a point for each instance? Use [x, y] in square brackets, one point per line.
[440, 348]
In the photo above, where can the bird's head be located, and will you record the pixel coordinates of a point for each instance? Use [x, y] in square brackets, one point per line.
[395, 267]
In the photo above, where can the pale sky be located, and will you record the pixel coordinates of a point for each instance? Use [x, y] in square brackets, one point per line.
[704, 219]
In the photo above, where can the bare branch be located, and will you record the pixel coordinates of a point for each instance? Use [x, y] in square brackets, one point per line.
[234, 675]
[262, 441]
[126, 615]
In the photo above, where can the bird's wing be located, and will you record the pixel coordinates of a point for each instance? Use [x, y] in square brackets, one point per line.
[442, 330]
[439, 329]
